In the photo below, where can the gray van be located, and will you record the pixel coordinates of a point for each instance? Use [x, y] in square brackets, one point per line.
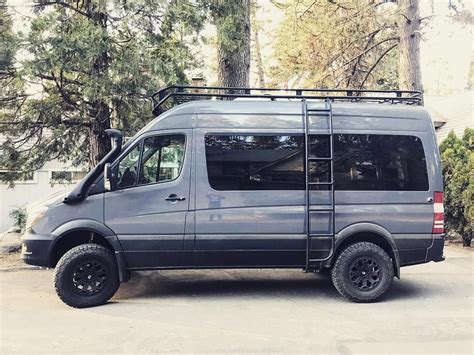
[346, 182]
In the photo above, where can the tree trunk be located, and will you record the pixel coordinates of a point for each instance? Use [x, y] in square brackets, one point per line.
[256, 41]
[409, 72]
[232, 20]
[258, 56]
[99, 143]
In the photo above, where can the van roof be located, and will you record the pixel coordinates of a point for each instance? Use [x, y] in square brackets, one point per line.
[288, 115]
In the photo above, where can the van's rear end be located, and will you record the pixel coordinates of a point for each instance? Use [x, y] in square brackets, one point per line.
[412, 247]
[388, 180]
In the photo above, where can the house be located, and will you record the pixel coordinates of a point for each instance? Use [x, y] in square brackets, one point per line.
[451, 113]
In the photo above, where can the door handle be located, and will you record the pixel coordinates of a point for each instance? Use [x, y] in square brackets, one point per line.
[174, 198]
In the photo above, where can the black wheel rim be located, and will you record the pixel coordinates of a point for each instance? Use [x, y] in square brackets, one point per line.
[365, 274]
[89, 278]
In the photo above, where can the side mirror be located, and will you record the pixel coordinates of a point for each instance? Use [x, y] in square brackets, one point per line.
[107, 177]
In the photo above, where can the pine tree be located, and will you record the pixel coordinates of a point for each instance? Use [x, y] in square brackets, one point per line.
[409, 35]
[232, 21]
[337, 44]
[94, 64]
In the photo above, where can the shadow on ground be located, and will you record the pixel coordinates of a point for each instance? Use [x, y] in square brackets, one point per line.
[222, 284]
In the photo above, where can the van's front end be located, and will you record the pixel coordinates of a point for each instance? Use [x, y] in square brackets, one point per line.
[66, 231]
[36, 245]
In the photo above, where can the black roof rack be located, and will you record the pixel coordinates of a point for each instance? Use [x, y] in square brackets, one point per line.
[174, 95]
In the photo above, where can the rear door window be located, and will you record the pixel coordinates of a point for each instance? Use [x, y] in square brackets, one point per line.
[379, 162]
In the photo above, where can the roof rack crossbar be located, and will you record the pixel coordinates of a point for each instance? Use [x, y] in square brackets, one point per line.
[172, 95]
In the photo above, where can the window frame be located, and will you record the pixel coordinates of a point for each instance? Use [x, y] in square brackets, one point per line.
[141, 143]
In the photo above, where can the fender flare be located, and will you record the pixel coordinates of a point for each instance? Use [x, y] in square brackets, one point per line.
[101, 229]
[365, 227]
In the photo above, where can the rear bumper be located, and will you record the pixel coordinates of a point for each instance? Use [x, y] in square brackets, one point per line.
[35, 248]
[435, 252]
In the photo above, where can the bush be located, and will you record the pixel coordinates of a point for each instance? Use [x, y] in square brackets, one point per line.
[19, 217]
[457, 156]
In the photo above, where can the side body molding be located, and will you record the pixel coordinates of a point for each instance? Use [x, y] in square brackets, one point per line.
[372, 228]
[99, 228]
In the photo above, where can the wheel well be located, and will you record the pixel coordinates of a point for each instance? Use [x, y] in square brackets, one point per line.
[366, 237]
[73, 239]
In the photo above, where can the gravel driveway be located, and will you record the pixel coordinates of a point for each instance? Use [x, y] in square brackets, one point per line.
[429, 310]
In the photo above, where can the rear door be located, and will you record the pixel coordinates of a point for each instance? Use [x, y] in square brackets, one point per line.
[148, 207]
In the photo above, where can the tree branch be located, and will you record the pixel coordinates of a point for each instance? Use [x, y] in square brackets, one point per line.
[376, 63]
[66, 5]
[370, 48]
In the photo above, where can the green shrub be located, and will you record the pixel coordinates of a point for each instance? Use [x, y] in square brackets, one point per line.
[457, 156]
[19, 217]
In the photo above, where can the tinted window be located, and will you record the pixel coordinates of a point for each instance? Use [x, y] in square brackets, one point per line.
[128, 168]
[162, 159]
[255, 162]
[379, 162]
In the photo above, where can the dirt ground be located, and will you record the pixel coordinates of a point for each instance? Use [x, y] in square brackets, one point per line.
[430, 310]
[10, 261]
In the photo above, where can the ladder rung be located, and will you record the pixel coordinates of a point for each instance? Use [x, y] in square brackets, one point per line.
[318, 110]
[320, 183]
[316, 159]
[321, 209]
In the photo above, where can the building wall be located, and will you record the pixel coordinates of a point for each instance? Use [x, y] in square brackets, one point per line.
[24, 193]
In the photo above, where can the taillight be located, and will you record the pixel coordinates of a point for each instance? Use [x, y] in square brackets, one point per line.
[438, 219]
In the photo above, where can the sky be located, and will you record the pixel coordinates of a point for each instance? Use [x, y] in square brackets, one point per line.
[445, 55]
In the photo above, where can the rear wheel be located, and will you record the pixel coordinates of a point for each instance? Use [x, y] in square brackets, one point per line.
[86, 276]
[362, 272]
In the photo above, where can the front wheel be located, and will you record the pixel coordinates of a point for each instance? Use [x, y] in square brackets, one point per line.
[86, 276]
[362, 272]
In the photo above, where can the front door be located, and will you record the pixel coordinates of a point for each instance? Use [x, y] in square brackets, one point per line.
[147, 208]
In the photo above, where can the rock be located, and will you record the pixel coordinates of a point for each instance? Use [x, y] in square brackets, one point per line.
[10, 243]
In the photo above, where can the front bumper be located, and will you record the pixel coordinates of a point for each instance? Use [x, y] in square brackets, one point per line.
[435, 252]
[35, 248]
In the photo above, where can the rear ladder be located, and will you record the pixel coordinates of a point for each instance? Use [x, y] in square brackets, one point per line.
[314, 264]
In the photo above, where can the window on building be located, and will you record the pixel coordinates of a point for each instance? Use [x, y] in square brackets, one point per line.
[18, 177]
[255, 162]
[66, 176]
[379, 162]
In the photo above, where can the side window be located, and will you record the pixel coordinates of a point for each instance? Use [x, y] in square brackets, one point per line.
[158, 158]
[255, 162]
[379, 162]
[320, 170]
[162, 159]
[127, 170]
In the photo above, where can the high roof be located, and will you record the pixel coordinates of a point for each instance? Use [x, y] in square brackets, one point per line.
[279, 114]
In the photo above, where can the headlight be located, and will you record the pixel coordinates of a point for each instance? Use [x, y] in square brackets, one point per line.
[34, 215]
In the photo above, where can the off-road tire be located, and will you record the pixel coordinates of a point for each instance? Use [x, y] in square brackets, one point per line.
[350, 281]
[78, 258]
